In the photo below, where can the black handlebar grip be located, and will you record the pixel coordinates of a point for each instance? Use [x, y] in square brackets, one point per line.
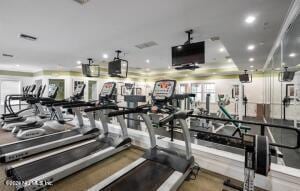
[63, 103]
[124, 112]
[166, 120]
[71, 105]
[101, 108]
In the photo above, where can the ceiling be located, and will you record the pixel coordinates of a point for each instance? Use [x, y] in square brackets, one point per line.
[68, 31]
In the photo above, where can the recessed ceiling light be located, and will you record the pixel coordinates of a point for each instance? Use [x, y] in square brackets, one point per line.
[148, 61]
[17, 65]
[221, 49]
[251, 66]
[104, 56]
[169, 67]
[251, 47]
[179, 47]
[251, 59]
[292, 54]
[229, 60]
[250, 19]
[78, 62]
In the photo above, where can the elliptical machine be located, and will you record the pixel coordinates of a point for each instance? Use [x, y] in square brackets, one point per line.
[52, 126]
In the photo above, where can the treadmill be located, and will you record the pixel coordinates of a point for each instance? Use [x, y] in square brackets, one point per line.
[159, 168]
[62, 163]
[24, 148]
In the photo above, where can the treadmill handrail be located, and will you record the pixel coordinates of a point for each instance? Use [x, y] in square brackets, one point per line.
[115, 107]
[72, 105]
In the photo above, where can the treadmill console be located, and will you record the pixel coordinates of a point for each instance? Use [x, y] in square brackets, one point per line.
[108, 89]
[163, 90]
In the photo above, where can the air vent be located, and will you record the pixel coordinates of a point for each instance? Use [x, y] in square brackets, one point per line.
[28, 37]
[7, 55]
[146, 45]
[82, 1]
[215, 38]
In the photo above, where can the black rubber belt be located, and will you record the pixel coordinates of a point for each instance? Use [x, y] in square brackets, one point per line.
[35, 142]
[39, 167]
[148, 176]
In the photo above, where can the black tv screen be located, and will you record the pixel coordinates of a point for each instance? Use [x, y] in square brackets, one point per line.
[288, 76]
[188, 54]
[244, 78]
[114, 68]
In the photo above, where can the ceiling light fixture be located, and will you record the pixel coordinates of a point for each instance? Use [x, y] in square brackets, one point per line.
[179, 47]
[169, 67]
[221, 49]
[17, 65]
[229, 60]
[251, 47]
[292, 54]
[148, 61]
[105, 56]
[78, 62]
[251, 66]
[251, 59]
[250, 19]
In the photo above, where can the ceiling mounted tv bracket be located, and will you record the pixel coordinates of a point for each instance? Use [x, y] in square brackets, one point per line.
[118, 54]
[189, 33]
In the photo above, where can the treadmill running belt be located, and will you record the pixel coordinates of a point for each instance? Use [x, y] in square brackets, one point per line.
[34, 169]
[35, 142]
[148, 176]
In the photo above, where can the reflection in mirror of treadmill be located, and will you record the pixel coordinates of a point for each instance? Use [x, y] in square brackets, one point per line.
[42, 140]
[148, 176]
[25, 172]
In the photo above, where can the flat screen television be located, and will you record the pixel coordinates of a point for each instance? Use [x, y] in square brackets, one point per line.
[118, 68]
[90, 70]
[188, 54]
[244, 78]
[114, 68]
[288, 76]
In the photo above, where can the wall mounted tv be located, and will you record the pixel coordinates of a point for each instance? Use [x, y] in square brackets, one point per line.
[188, 54]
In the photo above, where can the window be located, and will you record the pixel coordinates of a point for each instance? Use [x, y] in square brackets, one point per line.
[197, 90]
[201, 90]
[9, 87]
[210, 89]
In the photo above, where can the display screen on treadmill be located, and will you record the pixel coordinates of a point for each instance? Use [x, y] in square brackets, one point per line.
[163, 89]
[107, 89]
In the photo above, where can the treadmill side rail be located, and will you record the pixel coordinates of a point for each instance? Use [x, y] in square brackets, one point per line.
[117, 175]
[75, 166]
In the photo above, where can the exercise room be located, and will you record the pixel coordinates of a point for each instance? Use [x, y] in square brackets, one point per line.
[136, 95]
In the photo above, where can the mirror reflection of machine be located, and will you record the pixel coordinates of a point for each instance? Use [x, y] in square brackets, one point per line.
[90, 69]
[118, 67]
